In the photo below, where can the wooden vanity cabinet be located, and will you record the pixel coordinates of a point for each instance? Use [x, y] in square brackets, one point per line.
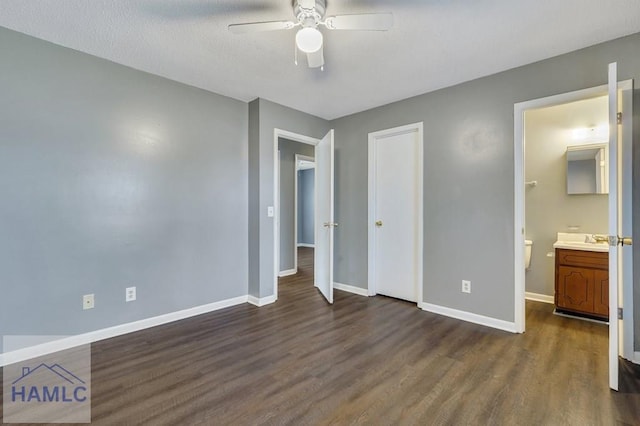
[582, 282]
[601, 293]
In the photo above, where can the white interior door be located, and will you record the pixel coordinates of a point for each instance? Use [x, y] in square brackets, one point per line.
[395, 222]
[324, 221]
[620, 223]
[613, 226]
[625, 225]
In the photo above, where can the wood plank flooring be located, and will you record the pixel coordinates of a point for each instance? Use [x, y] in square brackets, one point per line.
[361, 361]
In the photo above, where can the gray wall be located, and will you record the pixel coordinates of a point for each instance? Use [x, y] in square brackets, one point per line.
[261, 241]
[306, 206]
[288, 150]
[548, 207]
[110, 178]
[468, 175]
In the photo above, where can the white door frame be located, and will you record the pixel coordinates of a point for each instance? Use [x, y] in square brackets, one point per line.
[373, 137]
[519, 206]
[277, 134]
[298, 157]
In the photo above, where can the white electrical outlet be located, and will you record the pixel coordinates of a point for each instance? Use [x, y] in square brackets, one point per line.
[88, 301]
[466, 286]
[130, 295]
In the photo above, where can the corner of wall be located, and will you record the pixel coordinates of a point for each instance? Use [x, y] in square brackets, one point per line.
[254, 198]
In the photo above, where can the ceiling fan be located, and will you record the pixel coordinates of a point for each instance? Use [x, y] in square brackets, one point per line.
[310, 14]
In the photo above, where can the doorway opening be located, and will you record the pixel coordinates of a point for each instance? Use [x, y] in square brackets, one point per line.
[296, 166]
[566, 198]
[618, 96]
[303, 194]
[297, 212]
[304, 209]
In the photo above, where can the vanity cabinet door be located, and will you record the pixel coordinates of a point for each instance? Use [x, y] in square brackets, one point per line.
[601, 293]
[575, 288]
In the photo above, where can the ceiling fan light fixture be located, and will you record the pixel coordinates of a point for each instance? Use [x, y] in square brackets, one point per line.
[309, 40]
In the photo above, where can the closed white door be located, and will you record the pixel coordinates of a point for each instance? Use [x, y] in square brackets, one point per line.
[395, 216]
[324, 223]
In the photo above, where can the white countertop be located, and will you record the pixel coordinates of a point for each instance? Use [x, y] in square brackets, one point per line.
[576, 241]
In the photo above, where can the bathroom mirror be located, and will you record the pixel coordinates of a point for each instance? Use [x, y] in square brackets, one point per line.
[588, 169]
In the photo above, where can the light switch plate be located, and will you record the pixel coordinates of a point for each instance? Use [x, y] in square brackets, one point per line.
[270, 211]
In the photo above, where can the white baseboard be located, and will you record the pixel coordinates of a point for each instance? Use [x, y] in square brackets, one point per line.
[469, 317]
[118, 330]
[261, 301]
[287, 273]
[351, 289]
[306, 245]
[536, 297]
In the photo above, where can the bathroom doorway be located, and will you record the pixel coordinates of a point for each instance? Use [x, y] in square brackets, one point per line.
[620, 256]
[562, 196]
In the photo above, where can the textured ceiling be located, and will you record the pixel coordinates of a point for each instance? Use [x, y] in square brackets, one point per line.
[433, 44]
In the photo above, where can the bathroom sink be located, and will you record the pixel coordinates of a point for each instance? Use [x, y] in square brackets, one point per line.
[576, 241]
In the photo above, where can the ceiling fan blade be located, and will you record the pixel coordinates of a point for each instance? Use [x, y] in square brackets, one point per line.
[316, 59]
[364, 22]
[307, 4]
[255, 27]
[204, 9]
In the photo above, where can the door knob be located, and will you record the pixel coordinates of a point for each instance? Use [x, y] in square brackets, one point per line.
[624, 241]
[615, 240]
[330, 225]
[378, 223]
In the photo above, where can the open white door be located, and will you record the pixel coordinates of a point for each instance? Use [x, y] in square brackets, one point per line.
[620, 222]
[324, 223]
[625, 225]
[613, 226]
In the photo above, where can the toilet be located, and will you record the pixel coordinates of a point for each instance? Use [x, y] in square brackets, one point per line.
[527, 253]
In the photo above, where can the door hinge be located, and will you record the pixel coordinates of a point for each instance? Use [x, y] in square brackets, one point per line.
[620, 313]
[619, 115]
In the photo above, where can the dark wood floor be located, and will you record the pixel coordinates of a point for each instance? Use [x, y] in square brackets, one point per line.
[361, 361]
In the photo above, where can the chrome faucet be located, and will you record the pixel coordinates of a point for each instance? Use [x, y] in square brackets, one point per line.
[594, 238]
